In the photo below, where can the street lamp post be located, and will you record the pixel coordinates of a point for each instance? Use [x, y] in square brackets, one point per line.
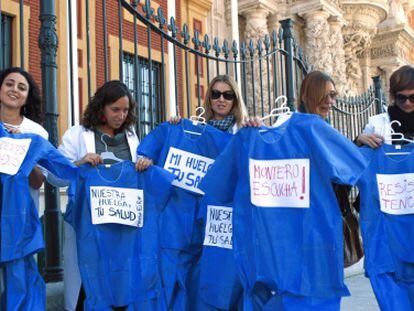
[48, 44]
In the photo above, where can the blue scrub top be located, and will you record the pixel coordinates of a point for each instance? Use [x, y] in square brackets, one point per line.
[388, 238]
[297, 247]
[177, 225]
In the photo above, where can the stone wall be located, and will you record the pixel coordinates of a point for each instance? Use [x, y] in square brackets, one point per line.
[351, 40]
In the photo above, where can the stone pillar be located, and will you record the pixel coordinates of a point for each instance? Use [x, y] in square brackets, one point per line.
[336, 42]
[362, 24]
[232, 22]
[255, 29]
[355, 43]
[273, 22]
[317, 41]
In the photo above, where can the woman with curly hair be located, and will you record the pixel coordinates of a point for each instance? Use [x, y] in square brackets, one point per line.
[108, 121]
[20, 112]
[107, 125]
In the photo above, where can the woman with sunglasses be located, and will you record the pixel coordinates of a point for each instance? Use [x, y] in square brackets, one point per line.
[225, 109]
[224, 106]
[317, 94]
[378, 129]
[387, 212]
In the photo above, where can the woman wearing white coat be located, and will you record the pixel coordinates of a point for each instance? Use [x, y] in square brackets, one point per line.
[107, 125]
[378, 129]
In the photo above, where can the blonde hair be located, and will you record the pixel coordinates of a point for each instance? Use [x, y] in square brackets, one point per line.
[239, 110]
[313, 90]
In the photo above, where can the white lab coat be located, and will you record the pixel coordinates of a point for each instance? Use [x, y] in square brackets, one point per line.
[76, 142]
[380, 125]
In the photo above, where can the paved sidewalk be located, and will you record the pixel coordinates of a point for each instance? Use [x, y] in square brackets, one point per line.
[362, 297]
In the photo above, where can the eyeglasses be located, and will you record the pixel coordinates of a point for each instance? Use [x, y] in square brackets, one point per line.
[332, 95]
[228, 95]
[401, 98]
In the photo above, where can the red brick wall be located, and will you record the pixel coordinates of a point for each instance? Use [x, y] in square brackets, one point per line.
[112, 28]
[127, 32]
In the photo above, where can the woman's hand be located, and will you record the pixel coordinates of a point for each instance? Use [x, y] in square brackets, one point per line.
[253, 121]
[143, 163]
[36, 178]
[91, 158]
[174, 119]
[371, 140]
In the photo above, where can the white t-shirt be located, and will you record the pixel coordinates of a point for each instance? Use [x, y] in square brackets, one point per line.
[30, 127]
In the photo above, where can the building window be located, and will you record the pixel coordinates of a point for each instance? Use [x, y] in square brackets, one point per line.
[147, 119]
[6, 41]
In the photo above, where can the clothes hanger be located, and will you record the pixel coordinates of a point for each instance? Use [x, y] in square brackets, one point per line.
[108, 155]
[197, 119]
[282, 113]
[283, 110]
[397, 137]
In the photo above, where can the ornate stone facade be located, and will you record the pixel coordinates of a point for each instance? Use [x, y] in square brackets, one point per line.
[352, 40]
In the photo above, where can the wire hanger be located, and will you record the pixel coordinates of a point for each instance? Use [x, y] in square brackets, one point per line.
[197, 119]
[397, 137]
[283, 110]
[108, 155]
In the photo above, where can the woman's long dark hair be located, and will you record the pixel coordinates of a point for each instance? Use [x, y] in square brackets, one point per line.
[33, 106]
[107, 94]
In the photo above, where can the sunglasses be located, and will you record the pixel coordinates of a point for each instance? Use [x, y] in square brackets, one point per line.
[332, 95]
[401, 98]
[228, 95]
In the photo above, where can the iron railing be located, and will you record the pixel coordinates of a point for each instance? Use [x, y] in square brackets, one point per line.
[264, 69]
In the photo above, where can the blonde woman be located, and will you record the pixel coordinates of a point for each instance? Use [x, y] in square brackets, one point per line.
[223, 104]
[224, 109]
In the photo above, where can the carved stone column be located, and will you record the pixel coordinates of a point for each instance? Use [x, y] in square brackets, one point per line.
[336, 42]
[273, 22]
[257, 86]
[363, 21]
[317, 40]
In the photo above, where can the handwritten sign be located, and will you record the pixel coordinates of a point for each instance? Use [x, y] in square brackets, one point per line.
[188, 168]
[219, 227]
[123, 206]
[12, 154]
[279, 183]
[396, 193]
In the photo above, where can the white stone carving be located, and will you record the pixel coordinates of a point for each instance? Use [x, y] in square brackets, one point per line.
[337, 51]
[355, 44]
[396, 11]
[317, 45]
